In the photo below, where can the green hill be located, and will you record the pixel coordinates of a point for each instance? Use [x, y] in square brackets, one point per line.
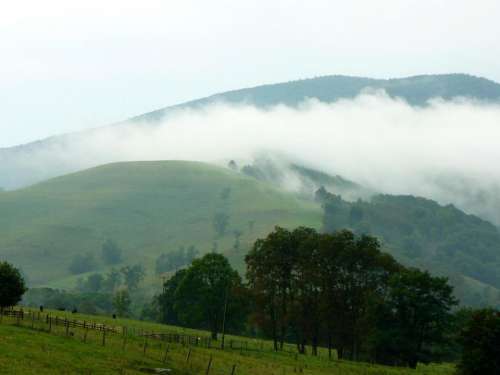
[148, 208]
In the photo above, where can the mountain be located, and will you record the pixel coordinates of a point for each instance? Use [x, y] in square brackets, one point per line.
[147, 208]
[416, 90]
[22, 166]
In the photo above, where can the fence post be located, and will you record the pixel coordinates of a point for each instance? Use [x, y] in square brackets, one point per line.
[145, 346]
[188, 355]
[233, 370]
[103, 336]
[209, 365]
[166, 353]
[50, 323]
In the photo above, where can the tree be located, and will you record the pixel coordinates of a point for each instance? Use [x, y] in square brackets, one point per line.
[133, 275]
[414, 317]
[82, 263]
[94, 283]
[220, 223]
[12, 285]
[208, 294]
[480, 339]
[112, 281]
[269, 272]
[121, 302]
[166, 300]
[111, 252]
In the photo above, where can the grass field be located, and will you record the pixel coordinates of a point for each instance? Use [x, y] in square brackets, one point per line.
[146, 207]
[26, 347]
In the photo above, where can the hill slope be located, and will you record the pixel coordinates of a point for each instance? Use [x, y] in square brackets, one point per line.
[147, 207]
[19, 166]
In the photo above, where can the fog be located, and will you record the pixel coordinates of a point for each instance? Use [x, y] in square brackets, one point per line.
[448, 150]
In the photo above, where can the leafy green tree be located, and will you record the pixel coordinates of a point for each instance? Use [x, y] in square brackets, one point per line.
[167, 299]
[270, 265]
[133, 275]
[121, 302]
[415, 317]
[12, 286]
[82, 263]
[480, 339]
[208, 294]
[111, 252]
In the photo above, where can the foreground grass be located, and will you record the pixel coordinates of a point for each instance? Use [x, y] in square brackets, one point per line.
[28, 348]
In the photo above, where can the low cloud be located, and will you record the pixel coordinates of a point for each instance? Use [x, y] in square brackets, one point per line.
[448, 150]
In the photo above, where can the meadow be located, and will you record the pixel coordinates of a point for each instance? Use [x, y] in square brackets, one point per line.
[33, 346]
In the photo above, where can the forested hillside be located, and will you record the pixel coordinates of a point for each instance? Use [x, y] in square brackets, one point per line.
[421, 232]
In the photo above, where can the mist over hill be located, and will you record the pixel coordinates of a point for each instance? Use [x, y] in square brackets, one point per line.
[26, 164]
[431, 136]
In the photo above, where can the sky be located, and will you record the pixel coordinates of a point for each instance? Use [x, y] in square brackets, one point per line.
[71, 65]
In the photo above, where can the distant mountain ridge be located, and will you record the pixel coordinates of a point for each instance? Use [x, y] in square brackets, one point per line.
[416, 90]
[19, 167]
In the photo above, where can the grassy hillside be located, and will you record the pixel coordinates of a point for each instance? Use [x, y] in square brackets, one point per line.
[146, 207]
[28, 347]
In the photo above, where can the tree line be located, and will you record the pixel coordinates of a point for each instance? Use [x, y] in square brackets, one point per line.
[334, 290]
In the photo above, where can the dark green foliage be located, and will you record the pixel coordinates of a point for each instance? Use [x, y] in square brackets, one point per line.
[201, 295]
[12, 286]
[220, 223]
[82, 263]
[481, 344]
[414, 318]
[166, 300]
[111, 252]
[343, 291]
[420, 230]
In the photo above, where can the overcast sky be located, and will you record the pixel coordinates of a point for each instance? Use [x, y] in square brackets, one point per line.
[69, 65]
